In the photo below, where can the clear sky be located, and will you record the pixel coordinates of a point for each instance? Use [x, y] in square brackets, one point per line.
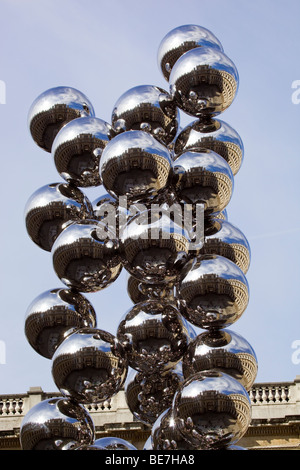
[104, 48]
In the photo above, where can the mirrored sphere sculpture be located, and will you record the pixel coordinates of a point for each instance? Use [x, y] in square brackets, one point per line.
[214, 292]
[222, 350]
[77, 150]
[154, 248]
[148, 108]
[180, 40]
[56, 424]
[149, 394]
[55, 314]
[114, 443]
[215, 135]
[50, 208]
[136, 165]
[204, 81]
[90, 366]
[212, 410]
[154, 336]
[86, 257]
[225, 239]
[51, 110]
[165, 434]
[203, 177]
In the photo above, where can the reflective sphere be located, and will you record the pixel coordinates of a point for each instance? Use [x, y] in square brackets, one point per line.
[56, 424]
[114, 443]
[51, 110]
[154, 336]
[55, 314]
[154, 248]
[212, 410]
[214, 292]
[148, 395]
[77, 150]
[165, 434]
[86, 256]
[148, 108]
[222, 350]
[136, 165]
[203, 178]
[180, 40]
[114, 213]
[204, 81]
[215, 135]
[223, 238]
[139, 291]
[50, 208]
[89, 366]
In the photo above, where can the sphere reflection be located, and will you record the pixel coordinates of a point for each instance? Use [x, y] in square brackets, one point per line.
[89, 366]
[55, 314]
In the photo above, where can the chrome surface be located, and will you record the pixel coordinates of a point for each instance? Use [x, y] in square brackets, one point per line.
[215, 135]
[154, 248]
[114, 443]
[86, 256]
[55, 314]
[90, 366]
[223, 350]
[153, 335]
[180, 40]
[204, 81]
[50, 208]
[77, 150]
[52, 109]
[225, 239]
[56, 424]
[148, 108]
[135, 164]
[214, 292]
[212, 410]
[165, 434]
[203, 177]
[148, 395]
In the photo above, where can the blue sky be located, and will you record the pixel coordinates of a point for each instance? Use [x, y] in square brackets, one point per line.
[104, 49]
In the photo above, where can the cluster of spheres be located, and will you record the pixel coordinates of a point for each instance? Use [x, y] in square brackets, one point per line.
[190, 389]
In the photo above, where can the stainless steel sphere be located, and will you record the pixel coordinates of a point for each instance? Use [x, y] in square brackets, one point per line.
[89, 366]
[212, 410]
[56, 424]
[154, 336]
[165, 434]
[180, 40]
[136, 165]
[86, 257]
[223, 350]
[148, 108]
[51, 110]
[148, 395]
[55, 314]
[114, 443]
[154, 247]
[77, 150]
[214, 292]
[139, 291]
[203, 177]
[215, 135]
[204, 81]
[50, 208]
[225, 239]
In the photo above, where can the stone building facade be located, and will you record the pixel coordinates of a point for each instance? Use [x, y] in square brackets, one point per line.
[275, 421]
